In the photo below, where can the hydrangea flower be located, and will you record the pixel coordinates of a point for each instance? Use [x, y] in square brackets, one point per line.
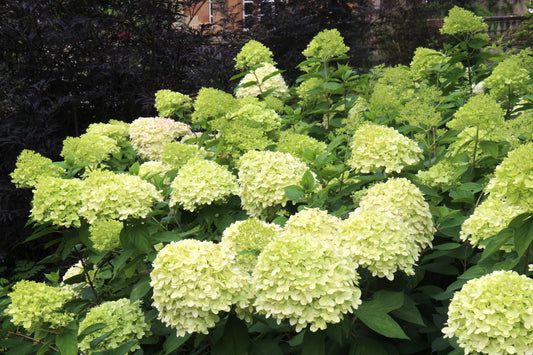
[381, 242]
[150, 134]
[125, 319]
[105, 234]
[156, 168]
[74, 270]
[36, 305]
[377, 148]
[117, 130]
[212, 103]
[392, 90]
[513, 178]
[493, 314]
[275, 83]
[481, 111]
[424, 61]
[246, 239]
[439, 175]
[169, 103]
[57, 201]
[460, 21]
[193, 281]
[89, 148]
[403, 199]
[201, 182]
[250, 127]
[302, 146]
[419, 113]
[306, 281]
[521, 127]
[315, 222]
[489, 218]
[32, 166]
[509, 78]
[310, 90]
[263, 175]
[327, 44]
[356, 116]
[177, 154]
[253, 53]
[107, 195]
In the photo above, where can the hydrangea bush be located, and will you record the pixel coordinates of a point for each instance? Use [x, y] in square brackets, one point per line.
[379, 212]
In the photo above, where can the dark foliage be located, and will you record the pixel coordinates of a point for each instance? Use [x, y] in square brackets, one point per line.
[288, 27]
[66, 64]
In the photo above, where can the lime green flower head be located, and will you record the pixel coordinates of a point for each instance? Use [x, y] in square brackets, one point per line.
[379, 148]
[509, 78]
[306, 281]
[193, 282]
[439, 175]
[124, 319]
[150, 134]
[32, 166]
[263, 175]
[150, 169]
[316, 223]
[481, 111]
[513, 178]
[521, 127]
[460, 21]
[302, 146]
[57, 201]
[489, 218]
[403, 199]
[327, 44]
[356, 116]
[117, 130]
[105, 234]
[425, 61]
[107, 195]
[262, 85]
[493, 314]
[212, 103]
[253, 53]
[35, 305]
[392, 90]
[171, 104]
[246, 239]
[202, 182]
[177, 154]
[380, 242]
[89, 148]
[310, 90]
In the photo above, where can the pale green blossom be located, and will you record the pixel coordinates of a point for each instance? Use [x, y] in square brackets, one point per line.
[202, 182]
[89, 148]
[35, 305]
[117, 130]
[177, 154]
[481, 111]
[193, 281]
[508, 81]
[327, 44]
[356, 116]
[105, 234]
[156, 168]
[306, 281]
[425, 62]
[212, 103]
[126, 321]
[170, 104]
[32, 166]
[262, 85]
[253, 53]
[460, 21]
[493, 314]
[315, 222]
[440, 174]
[378, 148]
[302, 146]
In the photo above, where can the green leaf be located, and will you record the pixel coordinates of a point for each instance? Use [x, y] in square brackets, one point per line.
[139, 235]
[409, 312]
[489, 148]
[235, 339]
[308, 181]
[331, 86]
[41, 233]
[172, 343]
[523, 236]
[367, 346]
[494, 243]
[100, 339]
[67, 342]
[266, 347]
[92, 328]
[384, 301]
[121, 350]
[140, 289]
[295, 193]
[314, 343]
[381, 323]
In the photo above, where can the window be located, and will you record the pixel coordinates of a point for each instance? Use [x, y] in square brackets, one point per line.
[252, 14]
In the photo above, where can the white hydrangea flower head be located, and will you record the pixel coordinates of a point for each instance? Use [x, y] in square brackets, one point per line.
[105, 234]
[258, 75]
[193, 281]
[32, 166]
[107, 195]
[403, 199]
[306, 281]
[202, 182]
[246, 239]
[117, 130]
[176, 154]
[379, 148]
[57, 201]
[489, 218]
[263, 175]
[124, 318]
[89, 148]
[381, 242]
[513, 178]
[317, 223]
[493, 314]
[149, 135]
[302, 146]
[36, 305]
